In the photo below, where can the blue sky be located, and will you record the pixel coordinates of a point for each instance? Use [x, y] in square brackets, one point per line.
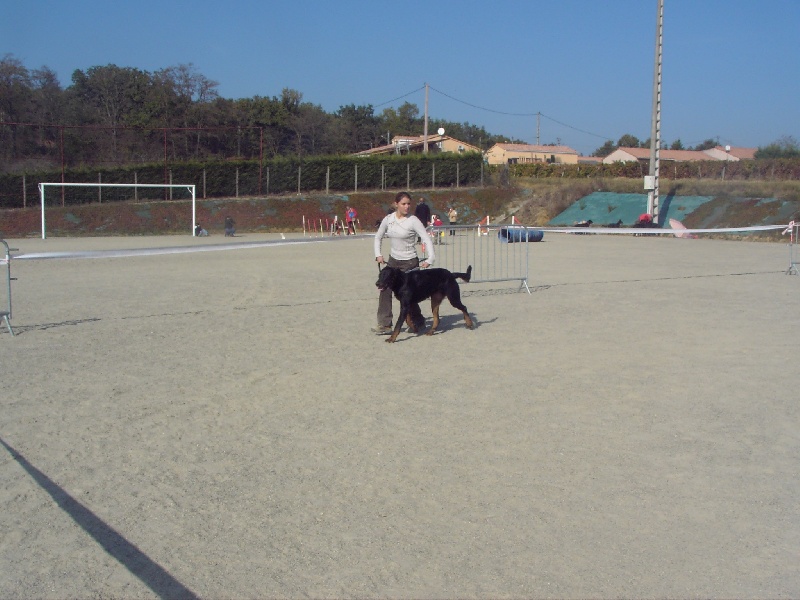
[731, 68]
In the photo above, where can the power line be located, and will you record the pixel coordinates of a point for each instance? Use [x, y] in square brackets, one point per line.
[602, 137]
[400, 97]
[499, 112]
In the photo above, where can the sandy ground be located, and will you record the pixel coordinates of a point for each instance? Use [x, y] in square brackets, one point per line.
[222, 424]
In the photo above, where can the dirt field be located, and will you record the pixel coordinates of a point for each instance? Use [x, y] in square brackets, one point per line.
[222, 424]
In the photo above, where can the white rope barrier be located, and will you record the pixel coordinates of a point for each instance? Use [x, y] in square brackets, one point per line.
[659, 230]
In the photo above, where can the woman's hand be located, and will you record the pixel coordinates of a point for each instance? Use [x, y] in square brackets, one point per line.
[379, 260]
[424, 264]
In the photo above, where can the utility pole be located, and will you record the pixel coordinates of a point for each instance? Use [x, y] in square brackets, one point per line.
[538, 126]
[425, 130]
[651, 183]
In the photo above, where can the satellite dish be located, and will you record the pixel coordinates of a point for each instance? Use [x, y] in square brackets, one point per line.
[441, 131]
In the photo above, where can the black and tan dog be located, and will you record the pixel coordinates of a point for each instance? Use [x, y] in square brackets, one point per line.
[415, 286]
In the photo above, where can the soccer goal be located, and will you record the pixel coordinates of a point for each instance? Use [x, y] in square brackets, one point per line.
[43, 187]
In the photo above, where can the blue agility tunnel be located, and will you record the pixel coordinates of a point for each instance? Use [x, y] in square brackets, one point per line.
[509, 235]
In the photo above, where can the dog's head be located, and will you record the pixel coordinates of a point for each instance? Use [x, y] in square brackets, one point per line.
[388, 278]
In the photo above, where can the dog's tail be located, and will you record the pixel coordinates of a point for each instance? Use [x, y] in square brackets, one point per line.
[465, 276]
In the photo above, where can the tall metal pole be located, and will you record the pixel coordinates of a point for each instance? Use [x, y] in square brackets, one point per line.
[63, 169]
[261, 157]
[655, 128]
[165, 163]
[425, 129]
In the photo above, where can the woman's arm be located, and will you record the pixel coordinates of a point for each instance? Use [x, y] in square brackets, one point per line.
[379, 238]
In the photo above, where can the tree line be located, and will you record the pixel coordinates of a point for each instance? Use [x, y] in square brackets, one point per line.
[120, 115]
[111, 116]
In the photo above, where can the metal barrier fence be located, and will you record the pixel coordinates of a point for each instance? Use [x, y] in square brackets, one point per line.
[495, 253]
[6, 262]
[793, 230]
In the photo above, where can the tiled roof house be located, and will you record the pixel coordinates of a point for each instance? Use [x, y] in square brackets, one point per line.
[501, 154]
[733, 153]
[623, 154]
[403, 144]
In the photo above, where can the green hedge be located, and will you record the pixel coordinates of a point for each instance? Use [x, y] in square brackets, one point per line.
[247, 178]
[762, 169]
[415, 171]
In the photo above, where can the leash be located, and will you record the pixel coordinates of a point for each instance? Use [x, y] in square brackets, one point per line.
[409, 271]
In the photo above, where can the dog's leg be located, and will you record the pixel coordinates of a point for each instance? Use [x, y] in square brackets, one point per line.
[403, 316]
[436, 301]
[455, 300]
[415, 314]
[410, 322]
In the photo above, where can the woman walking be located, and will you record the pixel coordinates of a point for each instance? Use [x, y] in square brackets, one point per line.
[402, 229]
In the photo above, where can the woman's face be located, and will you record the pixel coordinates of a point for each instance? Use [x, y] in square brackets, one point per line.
[403, 206]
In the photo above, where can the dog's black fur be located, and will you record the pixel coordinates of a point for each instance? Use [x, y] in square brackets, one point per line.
[615, 225]
[415, 286]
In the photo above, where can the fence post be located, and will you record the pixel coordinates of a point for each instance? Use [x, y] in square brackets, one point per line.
[327, 180]
[237, 182]
[99, 188]
[204, 183]
[170, 182]
[356, 182]
[383, 177]
[458, 174]
[408, 176]
[433, 175]
[135, 190]
[299, 175]
[24, 192]
[267, 181]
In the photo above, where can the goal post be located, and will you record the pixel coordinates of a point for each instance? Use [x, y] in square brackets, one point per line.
[191, 189]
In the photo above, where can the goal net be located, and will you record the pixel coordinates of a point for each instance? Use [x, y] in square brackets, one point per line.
[54, 194]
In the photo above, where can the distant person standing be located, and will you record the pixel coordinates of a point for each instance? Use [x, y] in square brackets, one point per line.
[423, 212]
[452, 216]
[230, 227]
[350, 215]
[436, 233]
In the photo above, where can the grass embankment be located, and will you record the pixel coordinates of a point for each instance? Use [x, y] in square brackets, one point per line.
[270, 214]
